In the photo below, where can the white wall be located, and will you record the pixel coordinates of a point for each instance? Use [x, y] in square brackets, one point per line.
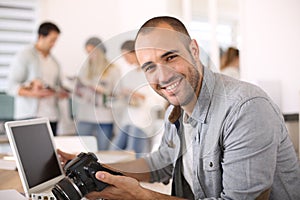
[271, 47]
[270, 35]
[113, 21]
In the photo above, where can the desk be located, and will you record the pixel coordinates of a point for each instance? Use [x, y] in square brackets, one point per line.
[9, 179]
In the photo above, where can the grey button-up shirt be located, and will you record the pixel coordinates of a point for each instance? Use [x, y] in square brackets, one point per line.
[241, 148]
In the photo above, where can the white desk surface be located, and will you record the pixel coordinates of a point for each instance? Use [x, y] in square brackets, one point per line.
[104, 156]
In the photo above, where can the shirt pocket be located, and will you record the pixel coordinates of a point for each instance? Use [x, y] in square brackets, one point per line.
[211, 175]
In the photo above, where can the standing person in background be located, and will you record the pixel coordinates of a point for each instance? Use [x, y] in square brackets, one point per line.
[230, 63]
[94, 88]
[137, 122]
[35, 78]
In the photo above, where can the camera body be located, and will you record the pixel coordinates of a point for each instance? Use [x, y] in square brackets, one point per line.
[80, 178]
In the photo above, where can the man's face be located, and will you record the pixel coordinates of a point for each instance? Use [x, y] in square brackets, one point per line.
[47, 42]
[91, 51]
[130, 57]
[169, 66]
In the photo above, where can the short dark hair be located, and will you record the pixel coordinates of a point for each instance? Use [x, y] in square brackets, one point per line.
[128, 46]
[175, 23]
[96, 42]
[46, 27]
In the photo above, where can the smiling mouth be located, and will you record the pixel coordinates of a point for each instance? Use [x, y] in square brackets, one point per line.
[172, 87]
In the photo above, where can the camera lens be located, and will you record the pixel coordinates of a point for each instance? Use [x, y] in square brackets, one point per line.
[65, 189]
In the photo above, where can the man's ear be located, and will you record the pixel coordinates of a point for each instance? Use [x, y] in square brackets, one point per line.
[194, 49]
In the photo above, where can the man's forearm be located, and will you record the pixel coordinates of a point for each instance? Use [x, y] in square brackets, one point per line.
[23, 91]
[155, 195]
[137, 169]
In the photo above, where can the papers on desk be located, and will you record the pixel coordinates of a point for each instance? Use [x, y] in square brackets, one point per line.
[11, 195]
[8, 164]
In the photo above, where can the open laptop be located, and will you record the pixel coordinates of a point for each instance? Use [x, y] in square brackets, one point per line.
[32, 144]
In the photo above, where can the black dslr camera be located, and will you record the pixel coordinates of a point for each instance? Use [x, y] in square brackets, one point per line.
[80, 178]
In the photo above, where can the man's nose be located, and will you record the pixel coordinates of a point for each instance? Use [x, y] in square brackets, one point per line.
[164, 73]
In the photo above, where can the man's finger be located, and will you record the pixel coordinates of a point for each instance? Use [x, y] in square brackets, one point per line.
[65, 155]
[115, 180]
[107, 177]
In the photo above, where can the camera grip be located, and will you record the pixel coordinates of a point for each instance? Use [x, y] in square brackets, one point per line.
[101, 185]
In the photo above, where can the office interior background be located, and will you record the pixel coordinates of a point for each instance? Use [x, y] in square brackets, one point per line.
[265, 31]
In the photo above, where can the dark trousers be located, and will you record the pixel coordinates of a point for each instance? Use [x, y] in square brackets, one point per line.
[52, 124]
[54, 127]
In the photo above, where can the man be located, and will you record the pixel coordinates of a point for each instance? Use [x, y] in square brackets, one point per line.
[35, 78]
[224, 139]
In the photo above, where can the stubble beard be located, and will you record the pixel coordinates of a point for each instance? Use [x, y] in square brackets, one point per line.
[190, 89]
[192, 85]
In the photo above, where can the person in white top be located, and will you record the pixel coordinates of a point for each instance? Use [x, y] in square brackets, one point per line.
[96, 82]
[230, 63]
[141, 104]
[35, 78]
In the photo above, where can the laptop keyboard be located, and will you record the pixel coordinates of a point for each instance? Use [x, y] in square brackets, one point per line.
[43, 196]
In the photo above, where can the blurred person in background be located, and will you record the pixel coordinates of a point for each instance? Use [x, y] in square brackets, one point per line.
[35, 78]
[94, 89]
[141, 106]
[230, 63]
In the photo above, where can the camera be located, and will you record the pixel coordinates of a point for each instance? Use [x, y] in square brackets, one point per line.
[80, 178]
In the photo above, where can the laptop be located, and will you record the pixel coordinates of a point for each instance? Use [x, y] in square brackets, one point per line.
[38, 164]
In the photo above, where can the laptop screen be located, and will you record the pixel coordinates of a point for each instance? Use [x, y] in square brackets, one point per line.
[36, 152]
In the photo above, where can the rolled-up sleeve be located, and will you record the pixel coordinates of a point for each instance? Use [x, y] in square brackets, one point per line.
[17, 74]
[161, 162]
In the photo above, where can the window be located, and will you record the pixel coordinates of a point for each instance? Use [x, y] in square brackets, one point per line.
[201, 32]
[17, 29]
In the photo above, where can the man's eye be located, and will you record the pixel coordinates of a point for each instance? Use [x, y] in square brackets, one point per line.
[149, 67]
[171, 57]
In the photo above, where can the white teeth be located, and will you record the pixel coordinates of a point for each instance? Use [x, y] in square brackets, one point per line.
[171, 87]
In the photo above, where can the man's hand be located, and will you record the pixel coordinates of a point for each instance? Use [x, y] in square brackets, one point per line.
[42, 93]
[36, 89]
[62, 94]
[64, 157]
[123, 187]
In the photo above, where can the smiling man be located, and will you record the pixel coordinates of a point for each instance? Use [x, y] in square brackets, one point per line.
[170, 67]
[224, 139]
